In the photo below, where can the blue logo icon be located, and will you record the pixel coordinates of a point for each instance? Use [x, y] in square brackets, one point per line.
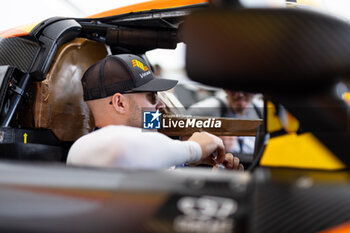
[151, 120]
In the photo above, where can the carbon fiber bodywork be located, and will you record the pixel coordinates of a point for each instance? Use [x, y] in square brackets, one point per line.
[105, 200]
[300, 201]
[18, 52]
[86, 200]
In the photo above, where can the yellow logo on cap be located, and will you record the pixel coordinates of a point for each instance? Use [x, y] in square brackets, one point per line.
[139, 64]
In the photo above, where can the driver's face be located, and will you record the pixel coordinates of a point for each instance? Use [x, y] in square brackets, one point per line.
[141, 101]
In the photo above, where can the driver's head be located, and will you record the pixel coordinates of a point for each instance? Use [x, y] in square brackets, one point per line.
[118, 87]
[238, 101]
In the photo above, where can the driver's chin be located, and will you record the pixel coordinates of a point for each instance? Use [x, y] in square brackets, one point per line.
[135, 120]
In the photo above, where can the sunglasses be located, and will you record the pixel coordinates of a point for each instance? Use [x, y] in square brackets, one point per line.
[152, 96]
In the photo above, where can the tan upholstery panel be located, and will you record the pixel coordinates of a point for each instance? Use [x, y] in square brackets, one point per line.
[59, 104]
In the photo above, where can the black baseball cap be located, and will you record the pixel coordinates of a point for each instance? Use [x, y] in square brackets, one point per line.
[121, 73]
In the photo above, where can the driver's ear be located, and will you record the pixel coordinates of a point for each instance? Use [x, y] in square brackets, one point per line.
[120, 103]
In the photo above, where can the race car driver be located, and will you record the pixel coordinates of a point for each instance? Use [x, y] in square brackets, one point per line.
[116, 90]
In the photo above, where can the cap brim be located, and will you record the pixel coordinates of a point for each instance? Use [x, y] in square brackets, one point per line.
[157, 84]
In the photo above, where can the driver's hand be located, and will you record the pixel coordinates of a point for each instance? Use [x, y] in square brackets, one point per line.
[209, 143]
[231, 162]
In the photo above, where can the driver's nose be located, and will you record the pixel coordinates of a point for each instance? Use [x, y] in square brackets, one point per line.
[160, 106]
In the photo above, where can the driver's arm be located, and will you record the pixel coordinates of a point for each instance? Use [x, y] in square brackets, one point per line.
[128, 147]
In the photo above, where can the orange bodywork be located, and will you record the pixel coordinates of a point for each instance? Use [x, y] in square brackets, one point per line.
[144, 6]
[13, 32]
[18, 31]
[344, 228]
